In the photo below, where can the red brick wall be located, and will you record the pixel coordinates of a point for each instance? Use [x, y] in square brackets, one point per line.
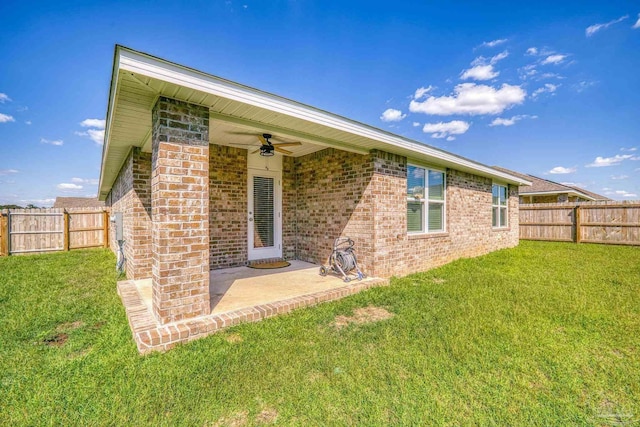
[131, 195]
[363, 197]
[228, 206]
[333, 199]
[289, 208]
[469, 231]
[180, 210]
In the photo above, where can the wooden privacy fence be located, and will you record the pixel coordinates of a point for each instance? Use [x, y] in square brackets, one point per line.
[45, 230]
[614, 223]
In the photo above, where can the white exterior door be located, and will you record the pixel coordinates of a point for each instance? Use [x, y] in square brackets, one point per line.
[265, 214]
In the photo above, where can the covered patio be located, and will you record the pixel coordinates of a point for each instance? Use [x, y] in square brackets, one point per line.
[211, 175]
[239, 294]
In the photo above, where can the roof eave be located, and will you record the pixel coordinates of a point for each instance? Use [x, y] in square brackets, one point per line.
[546, 193]
[102, 195]
[129, 60]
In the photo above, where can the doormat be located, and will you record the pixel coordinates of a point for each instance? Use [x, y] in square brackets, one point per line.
[270, 265]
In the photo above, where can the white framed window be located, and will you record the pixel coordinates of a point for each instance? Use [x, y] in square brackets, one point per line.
[499, 206]
[426, 200]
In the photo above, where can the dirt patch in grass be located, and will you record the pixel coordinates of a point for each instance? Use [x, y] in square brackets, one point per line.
[240, 419]
[69, 326]
[267, 416]
[438, 280]
[57, 340]
[233, 338]
[363, 315]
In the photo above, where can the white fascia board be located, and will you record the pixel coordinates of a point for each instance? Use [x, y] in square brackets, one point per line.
[160, 69]
[107, 130]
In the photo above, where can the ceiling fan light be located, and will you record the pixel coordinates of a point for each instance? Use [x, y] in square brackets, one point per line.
[266, 150]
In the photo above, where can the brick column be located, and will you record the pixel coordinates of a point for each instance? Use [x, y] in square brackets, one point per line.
[180, 210]
[389, 189]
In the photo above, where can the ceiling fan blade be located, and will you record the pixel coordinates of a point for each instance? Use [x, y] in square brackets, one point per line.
[261, 138]
[287, 144]
[255, 151]
[241, 145]
[282, 150]
[280, 140]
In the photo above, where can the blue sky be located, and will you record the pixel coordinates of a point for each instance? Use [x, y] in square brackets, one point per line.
[546, 88]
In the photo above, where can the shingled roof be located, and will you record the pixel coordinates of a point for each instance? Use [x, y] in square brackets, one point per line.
[545, 186]
[78, 202]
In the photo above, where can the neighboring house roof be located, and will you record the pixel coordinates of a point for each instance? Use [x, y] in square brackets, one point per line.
[78, 202]
[541, 186]
[139, 79]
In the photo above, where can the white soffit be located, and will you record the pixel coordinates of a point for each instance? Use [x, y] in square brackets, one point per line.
[138, 79]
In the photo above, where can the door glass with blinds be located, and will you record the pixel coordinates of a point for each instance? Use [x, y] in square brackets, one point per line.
[264, 215]
[263, 212]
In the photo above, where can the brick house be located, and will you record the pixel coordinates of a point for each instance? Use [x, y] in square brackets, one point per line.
[546, 191]
[182, 161]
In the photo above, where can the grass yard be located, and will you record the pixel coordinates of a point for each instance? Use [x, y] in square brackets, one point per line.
[546, 334]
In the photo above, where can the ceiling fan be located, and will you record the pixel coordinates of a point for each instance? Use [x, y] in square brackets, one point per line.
[267, 148]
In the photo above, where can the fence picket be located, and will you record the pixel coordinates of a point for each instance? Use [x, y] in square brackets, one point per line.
[614, 223]
[46, 230]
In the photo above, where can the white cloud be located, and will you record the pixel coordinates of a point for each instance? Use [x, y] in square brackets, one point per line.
[637, 24]
[4, 118]
[618, 177]
[52, 142]
[482, 68]
[96, 131]
[446, 129]
[629, 149]
[471, 99]
[480, 72]
[624, 193]
[422, 91]
[96, 135]
[592, 29]
[548, 87]
[532, 51]
[416, 124]
[583, 85]
[69, 186]
[499, 57]
[28, 122]
[392, 115]
[93, 123]
[562, 170]
[90, 181]
[500, 121]
[8, 171]
[493, 43]
[574, 184]
[554, 59]
[528, 71]
[4, 98]
[609, 161]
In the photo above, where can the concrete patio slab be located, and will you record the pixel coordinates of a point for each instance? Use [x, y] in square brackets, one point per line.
[240, 294]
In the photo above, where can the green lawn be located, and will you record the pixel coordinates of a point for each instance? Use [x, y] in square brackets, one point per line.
[546, 333]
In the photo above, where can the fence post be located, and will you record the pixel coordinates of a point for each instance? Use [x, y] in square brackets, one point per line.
[105, 220]
[4, 234]
[577, 222]
[66, 230]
